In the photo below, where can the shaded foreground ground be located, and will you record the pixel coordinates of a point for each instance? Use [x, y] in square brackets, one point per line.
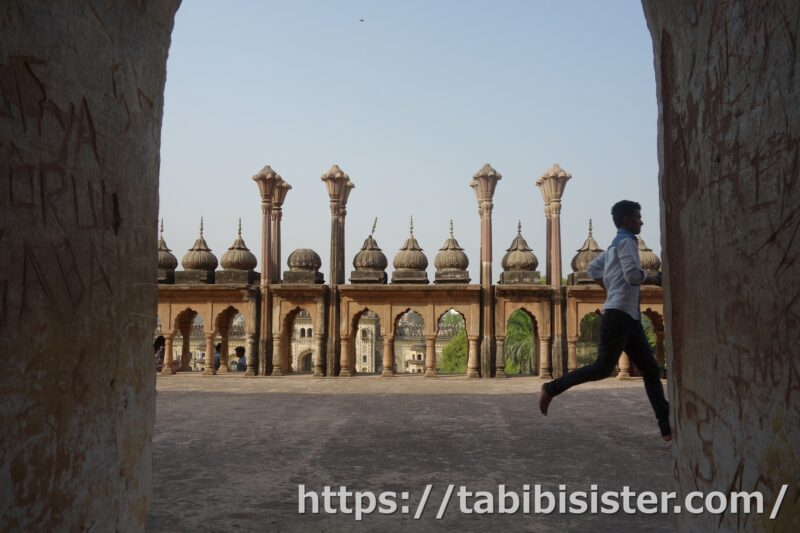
[229, 452]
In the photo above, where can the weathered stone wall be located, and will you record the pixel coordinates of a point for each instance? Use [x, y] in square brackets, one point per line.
[729, 151]
[81, 94]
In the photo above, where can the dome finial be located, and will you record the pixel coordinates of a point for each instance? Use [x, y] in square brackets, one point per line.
[201, 226]
[240, 227]
[374, 223]
[519, 227]
[590, 227]
[161, 230]
[411, 226]
[451, 228]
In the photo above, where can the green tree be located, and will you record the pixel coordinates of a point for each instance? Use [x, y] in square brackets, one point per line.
[519, 344]
[454, 355]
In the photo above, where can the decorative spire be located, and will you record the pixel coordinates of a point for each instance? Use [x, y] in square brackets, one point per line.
[201, 226]
[451, 228]
[590, 227]
[411, 226]
[374, 223]
[519, 228]
[240, 228]
[166, 261]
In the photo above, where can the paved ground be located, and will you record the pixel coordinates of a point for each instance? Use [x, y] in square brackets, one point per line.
[229, 452]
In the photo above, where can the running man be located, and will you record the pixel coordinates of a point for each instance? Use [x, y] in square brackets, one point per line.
[619, 271]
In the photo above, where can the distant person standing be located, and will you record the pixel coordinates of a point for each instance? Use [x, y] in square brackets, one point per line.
[241, 365]
[619, 271]
[158, 349]
[217, 356]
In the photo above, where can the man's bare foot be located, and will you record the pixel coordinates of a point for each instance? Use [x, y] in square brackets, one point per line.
[544, 401]
[667, 438]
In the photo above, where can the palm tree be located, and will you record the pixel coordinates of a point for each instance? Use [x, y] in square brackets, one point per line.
[519, 343]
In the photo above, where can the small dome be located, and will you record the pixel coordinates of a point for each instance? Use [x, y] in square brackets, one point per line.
[586, 253]
[519, 256]
[304, 260]
[238, 256]
[649, 259]
[199, 256]
[166, 261]
[370, 257]
[410, 256]
[451, 256]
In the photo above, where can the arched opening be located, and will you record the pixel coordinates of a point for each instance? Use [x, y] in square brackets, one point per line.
[588, 338]
[190, 342]
[521, 344]
[367, 343]
[306, 362]
[409, 343]
[452, 346]
[230, 336]
[298, 324]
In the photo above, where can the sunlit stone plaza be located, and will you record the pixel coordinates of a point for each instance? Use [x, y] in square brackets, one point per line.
[229, 453]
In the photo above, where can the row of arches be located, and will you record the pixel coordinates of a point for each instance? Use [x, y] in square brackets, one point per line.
[189, 344]
[370, 349]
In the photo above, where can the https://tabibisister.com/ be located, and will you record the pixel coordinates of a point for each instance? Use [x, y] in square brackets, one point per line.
[528, 499]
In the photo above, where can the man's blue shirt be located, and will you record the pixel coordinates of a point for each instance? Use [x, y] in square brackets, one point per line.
[621, 270]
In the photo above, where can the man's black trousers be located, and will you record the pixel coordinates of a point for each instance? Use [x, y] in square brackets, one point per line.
[620, 332]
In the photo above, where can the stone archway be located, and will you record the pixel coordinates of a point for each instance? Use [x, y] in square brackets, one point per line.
[728, 137]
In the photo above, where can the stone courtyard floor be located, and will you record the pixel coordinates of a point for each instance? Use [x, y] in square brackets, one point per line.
[229, 452]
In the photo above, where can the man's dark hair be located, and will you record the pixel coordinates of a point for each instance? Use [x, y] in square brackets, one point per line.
[622, 209]
[239, 350]
[218, 346]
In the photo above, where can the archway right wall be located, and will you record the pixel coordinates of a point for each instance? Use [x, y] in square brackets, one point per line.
[729, 153]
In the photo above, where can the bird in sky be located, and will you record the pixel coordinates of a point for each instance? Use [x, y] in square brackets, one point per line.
[361, 20]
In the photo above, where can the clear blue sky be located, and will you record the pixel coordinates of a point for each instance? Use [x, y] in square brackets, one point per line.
[410, 103]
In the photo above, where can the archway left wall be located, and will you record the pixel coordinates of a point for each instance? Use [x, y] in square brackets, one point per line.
[81, 98]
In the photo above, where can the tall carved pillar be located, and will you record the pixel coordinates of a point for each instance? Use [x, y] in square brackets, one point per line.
[551, 185]
[250, 357]
[430, 356]
[544, 360]
[500, 367]
[278, 196]
[624, 367]
[352, 354]
[484, 183]
[209, 370]
[338, 185]
[572, 353]
[223, 354]
[345, 362]
[266, 180]
[388, 356]
[169, 356]
[319, 347]
[473, 366]
[278, 366]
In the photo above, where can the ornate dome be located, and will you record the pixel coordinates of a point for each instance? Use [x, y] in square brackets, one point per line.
[519, 256]
[370, 257]
[451, 256]
[238, 256]
[649, 259]
[199, 256]
[410, 256]
[166, 261]
[304, 260]
[586, 253]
